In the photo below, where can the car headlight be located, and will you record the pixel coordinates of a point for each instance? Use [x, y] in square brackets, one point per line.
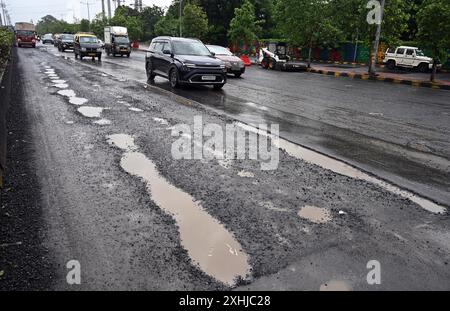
[83, 49]
[241, 64]
[228, 64]
[222, 66]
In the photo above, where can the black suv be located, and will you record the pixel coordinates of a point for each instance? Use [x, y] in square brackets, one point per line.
[65, 42]
[184, 61]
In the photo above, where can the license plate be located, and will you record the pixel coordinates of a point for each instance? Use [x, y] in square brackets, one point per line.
[92, 54]
[208, 78]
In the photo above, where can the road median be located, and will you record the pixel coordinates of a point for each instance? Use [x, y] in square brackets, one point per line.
[382, 76]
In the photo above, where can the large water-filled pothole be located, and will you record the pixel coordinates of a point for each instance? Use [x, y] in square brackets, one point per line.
[345, 169]
[209, 244]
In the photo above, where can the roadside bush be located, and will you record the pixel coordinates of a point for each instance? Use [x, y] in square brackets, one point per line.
[6, 42]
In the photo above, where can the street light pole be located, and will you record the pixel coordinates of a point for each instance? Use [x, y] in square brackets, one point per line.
[181, 18]
[376, 43]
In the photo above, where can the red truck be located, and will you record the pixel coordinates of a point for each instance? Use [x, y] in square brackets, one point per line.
[25, 34]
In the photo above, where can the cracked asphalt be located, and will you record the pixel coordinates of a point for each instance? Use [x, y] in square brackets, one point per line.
[88, 208]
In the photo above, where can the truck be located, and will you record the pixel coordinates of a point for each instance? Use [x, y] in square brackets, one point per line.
[117, 41]
[25, 34]
[408, 57]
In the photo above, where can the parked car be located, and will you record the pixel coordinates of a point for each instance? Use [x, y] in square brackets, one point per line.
[47, 38]
[233, 63]
[408, 57]
[86, 44]
[65, 42]
[184, 61]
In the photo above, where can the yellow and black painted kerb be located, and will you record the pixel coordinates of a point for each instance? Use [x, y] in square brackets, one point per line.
[380, 78]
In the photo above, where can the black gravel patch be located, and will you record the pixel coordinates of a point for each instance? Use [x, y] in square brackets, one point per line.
[24, 262]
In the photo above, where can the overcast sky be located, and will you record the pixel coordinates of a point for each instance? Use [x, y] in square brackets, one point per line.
[26, 10]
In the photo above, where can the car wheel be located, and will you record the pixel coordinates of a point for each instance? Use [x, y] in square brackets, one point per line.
[391, 65]
[173, 78]
[423, 67]
[218, 86]
[99, 58]
[272, 64]
[265, 63]
[150, 74]
[107, 52]
[237, 75]
[128, 55]
[76, 55]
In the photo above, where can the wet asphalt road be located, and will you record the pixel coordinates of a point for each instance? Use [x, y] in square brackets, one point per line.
[93, 210]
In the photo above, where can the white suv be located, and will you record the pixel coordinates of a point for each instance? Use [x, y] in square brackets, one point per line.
[409, 57]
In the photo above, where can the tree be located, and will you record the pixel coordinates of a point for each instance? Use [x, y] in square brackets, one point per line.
[167, 26]
[220, 13]
[244, 27]
[195, 22]
[308, 23]
[149, 17]
[126, 17]
[434, 29]
[85, 25]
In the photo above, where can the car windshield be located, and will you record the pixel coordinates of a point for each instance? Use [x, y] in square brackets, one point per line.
[88, 39]
[48, 37]
[190, 48]
[419, 53]
[219, 50]
[67, 37]
[122, 40]
[24, 32]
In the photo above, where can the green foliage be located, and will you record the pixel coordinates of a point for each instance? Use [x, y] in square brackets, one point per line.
[433, 21]
[308, 22]
[6, 42]
[350, 18]
[167, 26]
[195, 21]
[244, 27]
[49, 24]
[149, 17]
[126, 17]
[85, 25]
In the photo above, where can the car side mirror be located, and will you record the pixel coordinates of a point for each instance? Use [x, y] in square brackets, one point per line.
[213, 54]
[167, 52]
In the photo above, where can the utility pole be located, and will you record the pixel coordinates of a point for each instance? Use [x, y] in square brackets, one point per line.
[109, 9]
[1, 23]
[87, 5]
[3, 10]
[376, 43]
[103, 10]
[181, 18]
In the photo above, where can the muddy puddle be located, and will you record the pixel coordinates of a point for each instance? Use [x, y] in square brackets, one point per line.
[346, 170]
[135, 109]
[208, 243]
[67, 93]
[246, 174]
[315, 214]
[61, 85]
[335, 285]
[103, 122]
[78, 101]
[91, 112]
